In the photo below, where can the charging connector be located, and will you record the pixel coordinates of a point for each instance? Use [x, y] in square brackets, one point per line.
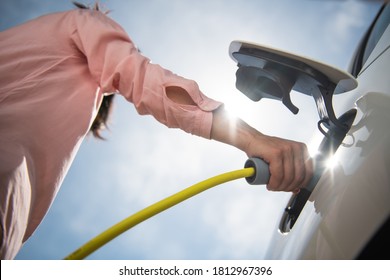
[262, 174]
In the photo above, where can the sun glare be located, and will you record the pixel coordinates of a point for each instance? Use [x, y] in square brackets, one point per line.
[236, 107]
[332, 162]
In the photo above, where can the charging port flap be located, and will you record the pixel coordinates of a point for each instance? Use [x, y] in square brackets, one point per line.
[265, 72]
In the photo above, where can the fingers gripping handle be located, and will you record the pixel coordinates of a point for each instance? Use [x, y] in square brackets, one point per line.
[262, 174]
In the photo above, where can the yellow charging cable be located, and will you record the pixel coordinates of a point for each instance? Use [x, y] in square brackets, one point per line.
[133, 220]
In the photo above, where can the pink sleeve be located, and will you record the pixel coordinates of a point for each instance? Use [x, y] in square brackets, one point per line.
[116, 65]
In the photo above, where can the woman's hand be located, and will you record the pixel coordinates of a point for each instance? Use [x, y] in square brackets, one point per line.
[289, 162]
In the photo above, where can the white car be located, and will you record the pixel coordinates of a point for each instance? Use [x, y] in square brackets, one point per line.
[344, 212]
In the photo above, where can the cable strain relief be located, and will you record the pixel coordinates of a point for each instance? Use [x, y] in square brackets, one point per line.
[262, 175]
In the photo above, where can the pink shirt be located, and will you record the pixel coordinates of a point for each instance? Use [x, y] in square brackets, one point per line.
[54, 71]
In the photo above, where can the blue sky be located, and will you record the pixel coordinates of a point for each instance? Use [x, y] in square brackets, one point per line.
[142, 161]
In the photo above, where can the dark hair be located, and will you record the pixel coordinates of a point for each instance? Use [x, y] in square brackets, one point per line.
[95, 7]
[104, 112]
[101, 119]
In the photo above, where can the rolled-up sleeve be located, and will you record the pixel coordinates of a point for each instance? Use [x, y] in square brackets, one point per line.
[117, 66]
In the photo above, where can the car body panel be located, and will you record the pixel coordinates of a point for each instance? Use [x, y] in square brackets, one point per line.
[351, 200]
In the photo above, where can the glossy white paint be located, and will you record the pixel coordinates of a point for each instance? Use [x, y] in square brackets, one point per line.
[352, 199]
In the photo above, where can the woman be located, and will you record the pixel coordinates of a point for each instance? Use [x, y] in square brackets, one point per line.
[54, 73]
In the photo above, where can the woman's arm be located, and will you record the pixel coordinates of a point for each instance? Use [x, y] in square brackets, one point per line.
[290, 165]
[116, 65]
[289, 162]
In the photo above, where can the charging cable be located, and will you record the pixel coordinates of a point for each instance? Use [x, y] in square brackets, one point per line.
[255, 171]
